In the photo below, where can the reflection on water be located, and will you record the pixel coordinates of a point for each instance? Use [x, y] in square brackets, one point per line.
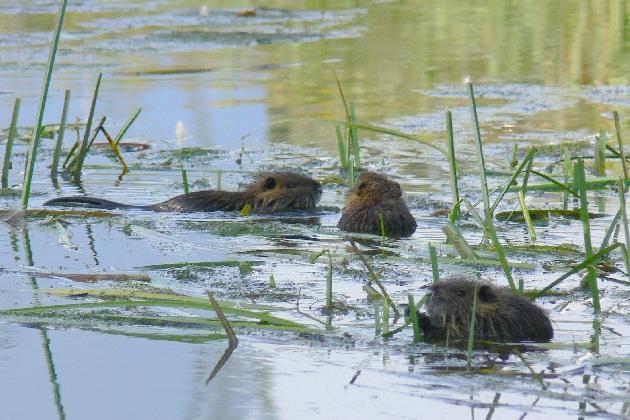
[253, 92]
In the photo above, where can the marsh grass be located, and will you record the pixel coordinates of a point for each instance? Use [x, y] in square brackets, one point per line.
[471, 329]
[600, 154]
[8, 151]
[123, 130]
[434, 264]
[77, 167]
[452, 163]
[413, 316]
[624, 219]
[36, 134]
[54, 167]
[622, 155]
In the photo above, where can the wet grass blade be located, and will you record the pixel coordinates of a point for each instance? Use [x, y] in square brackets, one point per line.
[612, 226]
[224, 322]
[492, 234]
[626, 228]
[114, 146]
[184, 180]
[480, 156]
[8, 151]
[588, 262]
[471, 329]
[413, 316]
[528, 158]
[624, 164]
[36, 135]
[329, 281]
[591, 277]
[78, 166]
[568, 173]
[54, 168]
[434, 264]
[343, 159]
[456, 238]
[452, 163]
[354, 138]
[125, 127]
[528, 219]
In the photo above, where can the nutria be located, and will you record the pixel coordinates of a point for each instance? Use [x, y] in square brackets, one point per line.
[272, 192]
[500, 316]
[373, 197]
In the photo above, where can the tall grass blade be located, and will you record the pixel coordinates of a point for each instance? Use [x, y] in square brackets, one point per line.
[8, 151]
[611, 227]
[624, 164]
[185, 180]
[471, 329]
[456, 238]
[480, 156]
[492, 234]
[32, 154]
[78, 166]
[528, 219]
[54, 168]
[343, 159]
[591, 277]
[329, 281]
[434, 264]
[600, 153]
[417, 334]
[354, 137]
[452, 163]
[568, 173]
[528, 158]
[124, 128]
[626, 228]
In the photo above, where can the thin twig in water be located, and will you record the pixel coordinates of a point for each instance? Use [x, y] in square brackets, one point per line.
[374, 278]
[224, 322]
[355, 376]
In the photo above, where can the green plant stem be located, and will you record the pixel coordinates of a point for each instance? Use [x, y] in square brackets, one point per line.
[32, 155]
[624, 164]
[480, 156]
[60, 134]
[124, 128]
[434, 264]
[456, 238]
[600, 154]
[329, 281]
[471, 329]
[528, 219]
[8, 151]
[626, 228]
[452, 162]
[184, 180]
[78, 166]
[417, 334]
[343, 159]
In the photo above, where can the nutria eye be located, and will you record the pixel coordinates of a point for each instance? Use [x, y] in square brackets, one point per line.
[270, 183]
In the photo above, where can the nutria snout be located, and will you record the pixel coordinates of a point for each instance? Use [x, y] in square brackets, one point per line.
[272, 192]
[500, 315]
[373, 198]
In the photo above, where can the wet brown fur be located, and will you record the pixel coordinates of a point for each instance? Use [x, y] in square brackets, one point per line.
[500, 315]
[272, 192]
[374, 195]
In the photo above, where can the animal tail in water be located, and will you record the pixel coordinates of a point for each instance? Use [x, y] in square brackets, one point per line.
[92, 202]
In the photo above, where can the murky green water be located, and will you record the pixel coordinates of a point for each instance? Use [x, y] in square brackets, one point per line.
[254, 93]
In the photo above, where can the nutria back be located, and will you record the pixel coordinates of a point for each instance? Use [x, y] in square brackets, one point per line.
[373, 197]
[500, 316]
[272, 192]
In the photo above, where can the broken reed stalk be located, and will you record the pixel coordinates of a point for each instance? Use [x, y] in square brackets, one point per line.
[125, 127]
[374, 278]
[233, 341]
[600, 154]
[471, 329]
[114, 145]
[526, 161]
[624, 164]
[626, 229]
[591, 276]
[417, 335]
[434, 264]
[526, 216]
[54, 167]
[455, 214]
[456, 238]
[36, 135]
[8, 151]
[78, 166]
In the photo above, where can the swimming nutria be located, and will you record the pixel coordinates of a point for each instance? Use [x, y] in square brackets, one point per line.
[500, 316]
[372, 197]
[272, 192]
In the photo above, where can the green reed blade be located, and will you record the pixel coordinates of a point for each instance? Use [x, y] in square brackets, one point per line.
[62, 130]
[528, 158]
[434, 264]
[354, 137]
[329, 281]
[456, 238]
[78, 166]
[480, 156]
[624, 164]
[567, 168]
[8, 151]
[611, 228]
[385, 316]
[600, 154]
[343, 160]
[471, 329]
[492, 234]
[528, 219]
[452, 163]
[626, 229]
[184, 180]
[591, 277]
[383, 230]
[124, 128]
[417, 334]
[36, 135]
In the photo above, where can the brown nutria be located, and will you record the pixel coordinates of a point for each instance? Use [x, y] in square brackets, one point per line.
[374, 198]
[500, 316]
[272, 192]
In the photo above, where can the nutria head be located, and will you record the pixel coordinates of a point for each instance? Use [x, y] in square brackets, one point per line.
[375, 197]
[500, 314]
[283, 191]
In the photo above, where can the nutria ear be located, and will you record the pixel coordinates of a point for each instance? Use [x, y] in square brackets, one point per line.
[270, 183]
[362, 186]
[486, 294]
